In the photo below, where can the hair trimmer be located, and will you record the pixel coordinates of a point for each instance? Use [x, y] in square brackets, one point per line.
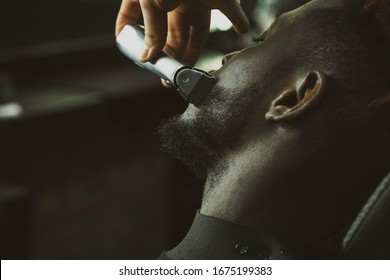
[192, 83]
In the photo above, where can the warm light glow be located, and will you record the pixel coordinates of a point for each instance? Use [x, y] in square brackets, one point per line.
[219, 22]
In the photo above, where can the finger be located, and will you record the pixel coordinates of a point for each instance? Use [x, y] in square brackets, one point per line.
[129, 13]
[178, 35]
[233, 11]
[155, 19]
[198, 37]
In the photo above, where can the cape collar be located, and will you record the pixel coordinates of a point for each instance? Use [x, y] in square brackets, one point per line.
[212, 238]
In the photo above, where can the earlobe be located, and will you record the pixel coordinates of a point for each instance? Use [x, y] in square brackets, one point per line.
[299, 98]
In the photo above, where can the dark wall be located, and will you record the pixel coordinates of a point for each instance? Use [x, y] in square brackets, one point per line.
[81, 172]
[27, 22]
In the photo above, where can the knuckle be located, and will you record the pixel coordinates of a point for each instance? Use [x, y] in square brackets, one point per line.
[155, 41]
[155, 38]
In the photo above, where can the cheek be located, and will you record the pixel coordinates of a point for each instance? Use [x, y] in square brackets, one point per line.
[256, 71]
[244, 72]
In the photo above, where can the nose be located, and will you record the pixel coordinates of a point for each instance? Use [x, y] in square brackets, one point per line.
[227, 57]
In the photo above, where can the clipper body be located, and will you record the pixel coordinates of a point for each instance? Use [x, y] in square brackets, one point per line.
[192, 83]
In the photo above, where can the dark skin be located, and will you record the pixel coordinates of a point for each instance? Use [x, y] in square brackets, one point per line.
[273, 178]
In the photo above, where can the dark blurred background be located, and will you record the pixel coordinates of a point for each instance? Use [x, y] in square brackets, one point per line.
[81, 173]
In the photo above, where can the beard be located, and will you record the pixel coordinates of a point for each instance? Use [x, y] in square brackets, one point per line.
[201, 137]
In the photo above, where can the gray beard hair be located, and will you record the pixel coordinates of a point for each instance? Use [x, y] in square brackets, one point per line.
[201, 142]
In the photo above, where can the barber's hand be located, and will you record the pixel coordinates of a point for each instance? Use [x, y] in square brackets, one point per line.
[178, 27]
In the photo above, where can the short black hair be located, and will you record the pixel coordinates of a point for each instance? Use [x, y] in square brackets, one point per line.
[352, 48]
[381, 10]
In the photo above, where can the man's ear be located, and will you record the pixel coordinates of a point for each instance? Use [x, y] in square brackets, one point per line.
[299, 99]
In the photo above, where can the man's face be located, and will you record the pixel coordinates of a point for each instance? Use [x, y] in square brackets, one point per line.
[234, 110]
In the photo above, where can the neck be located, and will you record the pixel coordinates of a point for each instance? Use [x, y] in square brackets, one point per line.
[262, 187]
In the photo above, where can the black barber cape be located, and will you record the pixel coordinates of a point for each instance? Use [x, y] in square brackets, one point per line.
[210, 238]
